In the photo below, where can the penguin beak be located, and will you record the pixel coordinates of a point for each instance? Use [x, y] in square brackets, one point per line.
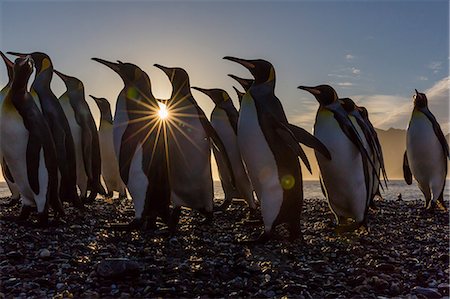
[17, 54]
[61, 75]
[246, 63]
[9, 64]
[205, 91]
[166, 70]
[417, 93]
[95, 98]
[311, 90]
[112, 65]
[245, 83]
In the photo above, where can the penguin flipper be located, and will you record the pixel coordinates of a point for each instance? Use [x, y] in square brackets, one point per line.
[33, 149]
[304, 137]
[406, 171]
[437, 130]
[86, 145]
[217, 142]
[287, 137]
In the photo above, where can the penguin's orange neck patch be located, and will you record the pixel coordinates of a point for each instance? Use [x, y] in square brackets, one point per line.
[45, 64]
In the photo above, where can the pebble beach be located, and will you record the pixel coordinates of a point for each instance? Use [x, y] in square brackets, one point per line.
[405, 254]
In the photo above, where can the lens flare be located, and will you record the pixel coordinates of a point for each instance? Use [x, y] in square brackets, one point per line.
[163, 113]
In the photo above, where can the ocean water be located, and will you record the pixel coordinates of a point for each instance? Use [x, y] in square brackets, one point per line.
[311, 189]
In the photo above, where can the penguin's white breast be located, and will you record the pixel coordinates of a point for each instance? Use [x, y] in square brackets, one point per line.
[425, 154]
[255, 150]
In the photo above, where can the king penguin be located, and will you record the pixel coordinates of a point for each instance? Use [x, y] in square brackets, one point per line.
[85, 137]
[15, 194]
[224, 119]
[110, 170]
[140, 147]
[345, 177]
[426, 153]
[270, 151]
[58, 124]
[371, 144]
[245, 83]
[189, 136]
[32, 156]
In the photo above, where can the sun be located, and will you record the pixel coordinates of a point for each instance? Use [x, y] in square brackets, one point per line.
[163, 113]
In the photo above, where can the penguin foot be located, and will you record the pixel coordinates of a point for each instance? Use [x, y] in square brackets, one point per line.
[12, 202]
[173, 220]
[42, 220]
[109, 195]
[441, 206]
[224, 206]
[122, 196]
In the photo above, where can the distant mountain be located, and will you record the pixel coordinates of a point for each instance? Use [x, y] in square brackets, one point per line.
[393, 143]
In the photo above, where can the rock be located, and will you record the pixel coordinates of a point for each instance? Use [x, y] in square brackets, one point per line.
[44, 253]
[427, 292]
[14, 255]
[117, 268]
[443, 288]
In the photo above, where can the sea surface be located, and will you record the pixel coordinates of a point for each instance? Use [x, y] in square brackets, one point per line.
[311, 189]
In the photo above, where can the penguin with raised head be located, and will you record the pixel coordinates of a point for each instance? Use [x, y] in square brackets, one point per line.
[110, 166]
[58, 124]
[245, 83]
[345, 178]
[15, 194]
[426, 153]
[139, 144]
[85, 137]
[189, 137]
[224, 119]
[270, 151]
[32, 156]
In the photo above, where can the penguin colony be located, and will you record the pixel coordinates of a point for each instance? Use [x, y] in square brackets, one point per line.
[163, 159]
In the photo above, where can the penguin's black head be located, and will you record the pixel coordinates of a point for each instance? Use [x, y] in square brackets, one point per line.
[130, 73]
[23, 68]
[41, 60]
[363, 111]
[178, 77]
[245, 83]
[9, 65]
[324, 94]
[71, 83]
[262, 70]
[420, 100]
[218, 96]
[348, 104]
[102, 103]
[239, 94]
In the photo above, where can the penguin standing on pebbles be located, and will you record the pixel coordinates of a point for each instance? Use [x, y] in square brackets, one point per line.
[140, 146]
[110, 166]
[15, 194]
[189, 137]
[32, 156]
[270, 151]
[58, 124]
[345, 178]
[426, 153]
[224, 119]
[84, 132]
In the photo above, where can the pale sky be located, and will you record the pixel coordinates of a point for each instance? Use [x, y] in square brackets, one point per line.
[376, 52]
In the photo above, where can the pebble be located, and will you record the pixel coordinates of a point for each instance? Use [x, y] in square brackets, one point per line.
[44, 253]
[427, 292]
